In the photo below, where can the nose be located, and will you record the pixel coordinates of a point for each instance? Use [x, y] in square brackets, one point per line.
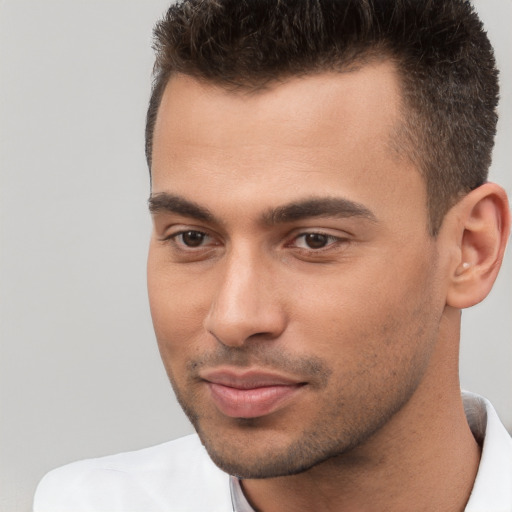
[246, 304]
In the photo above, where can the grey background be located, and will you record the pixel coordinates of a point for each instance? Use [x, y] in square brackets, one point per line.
[80, 372]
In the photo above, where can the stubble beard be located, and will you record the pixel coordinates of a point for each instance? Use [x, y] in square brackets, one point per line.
[342, 429]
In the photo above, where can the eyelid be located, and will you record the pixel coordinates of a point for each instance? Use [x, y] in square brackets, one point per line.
[173, 232]
[331, 233]
[177, 228]
[334, 240]
[180, 252]
[179, 234]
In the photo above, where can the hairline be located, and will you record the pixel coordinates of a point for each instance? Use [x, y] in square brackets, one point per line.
[374, 53]
[405, 139]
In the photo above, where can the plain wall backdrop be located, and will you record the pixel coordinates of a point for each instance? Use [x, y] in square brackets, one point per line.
[79, 368]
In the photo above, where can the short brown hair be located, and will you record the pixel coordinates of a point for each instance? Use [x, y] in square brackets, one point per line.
[444, 58]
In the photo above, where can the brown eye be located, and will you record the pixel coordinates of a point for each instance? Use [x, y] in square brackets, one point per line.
[316, 240]
[192, 238]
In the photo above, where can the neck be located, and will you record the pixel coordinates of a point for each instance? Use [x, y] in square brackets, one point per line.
[425, 458]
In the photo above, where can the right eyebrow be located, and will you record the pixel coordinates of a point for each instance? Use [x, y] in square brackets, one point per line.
[170, 203]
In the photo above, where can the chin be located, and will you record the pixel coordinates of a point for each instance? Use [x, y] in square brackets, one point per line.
[259, 455]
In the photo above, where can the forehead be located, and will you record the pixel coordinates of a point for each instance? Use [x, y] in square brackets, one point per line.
[329, 133]
[305, 106]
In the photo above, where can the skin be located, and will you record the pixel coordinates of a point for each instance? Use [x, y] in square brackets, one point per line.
[363, 315]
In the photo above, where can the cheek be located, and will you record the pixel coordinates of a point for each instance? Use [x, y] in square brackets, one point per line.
[366, 315]
[378, 349]
[178, 306]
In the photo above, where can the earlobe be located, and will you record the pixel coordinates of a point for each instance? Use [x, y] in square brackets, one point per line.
[483, 230]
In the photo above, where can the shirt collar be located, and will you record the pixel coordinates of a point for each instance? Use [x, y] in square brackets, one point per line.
[492, 490]
[238, 499]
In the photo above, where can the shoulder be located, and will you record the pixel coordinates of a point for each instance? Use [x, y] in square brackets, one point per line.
[178, 475]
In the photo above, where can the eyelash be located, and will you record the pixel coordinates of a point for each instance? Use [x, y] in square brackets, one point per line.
[331, 241]
[173, 237]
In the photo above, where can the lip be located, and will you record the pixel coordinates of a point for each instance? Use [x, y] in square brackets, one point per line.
[250, 394]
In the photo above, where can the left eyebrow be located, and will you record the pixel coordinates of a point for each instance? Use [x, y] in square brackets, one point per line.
[318, 207]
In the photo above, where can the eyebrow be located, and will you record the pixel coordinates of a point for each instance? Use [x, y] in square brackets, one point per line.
[333, 207]
[165, 202]
[336, 207]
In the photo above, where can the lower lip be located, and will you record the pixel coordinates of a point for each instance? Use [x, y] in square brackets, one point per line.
[251, 403]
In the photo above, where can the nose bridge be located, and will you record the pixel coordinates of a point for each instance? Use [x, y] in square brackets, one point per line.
[245, 303]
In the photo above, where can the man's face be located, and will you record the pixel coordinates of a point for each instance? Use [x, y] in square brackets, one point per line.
[292, 279]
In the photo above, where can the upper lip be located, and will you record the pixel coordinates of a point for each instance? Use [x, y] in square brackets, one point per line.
[248, 379]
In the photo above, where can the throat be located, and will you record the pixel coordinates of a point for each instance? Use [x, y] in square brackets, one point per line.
[436, 474]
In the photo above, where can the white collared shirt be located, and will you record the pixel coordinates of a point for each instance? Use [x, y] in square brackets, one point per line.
[179, 476]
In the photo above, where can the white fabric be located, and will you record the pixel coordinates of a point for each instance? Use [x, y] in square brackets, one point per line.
[180, 477]
[492, 490]
[240, 503]
[172, 477]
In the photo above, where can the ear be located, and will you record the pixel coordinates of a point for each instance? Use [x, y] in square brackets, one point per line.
[483, 227]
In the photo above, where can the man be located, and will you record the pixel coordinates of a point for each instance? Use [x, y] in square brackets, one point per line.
[321, 216]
